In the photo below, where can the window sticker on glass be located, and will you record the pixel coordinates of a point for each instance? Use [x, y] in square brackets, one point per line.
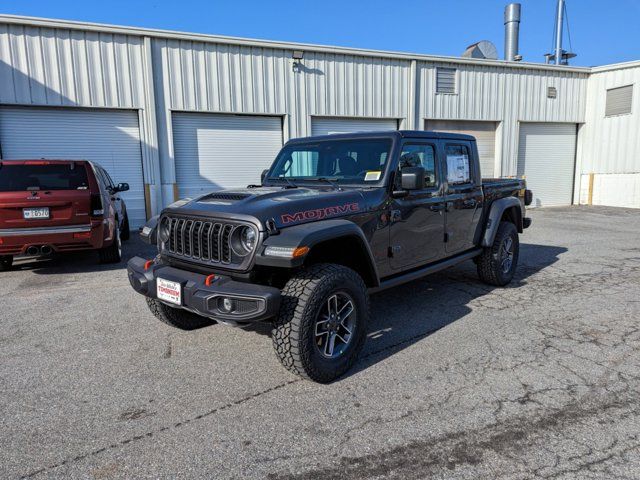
[372, 176]
[457, 168]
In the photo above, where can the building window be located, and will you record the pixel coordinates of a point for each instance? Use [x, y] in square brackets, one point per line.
[445, 80]
[619, 101]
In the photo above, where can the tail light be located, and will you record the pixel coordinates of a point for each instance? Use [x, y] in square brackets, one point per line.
[97, 210]
[528, 197]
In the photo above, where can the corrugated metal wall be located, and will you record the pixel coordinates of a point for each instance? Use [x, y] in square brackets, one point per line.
[611, 144]
[506, 96]
[158, 74]
[72, 68]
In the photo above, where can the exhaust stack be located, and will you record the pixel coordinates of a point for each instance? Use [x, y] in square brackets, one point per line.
[512, 32]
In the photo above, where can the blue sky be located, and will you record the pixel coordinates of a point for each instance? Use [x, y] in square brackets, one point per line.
[601, 31]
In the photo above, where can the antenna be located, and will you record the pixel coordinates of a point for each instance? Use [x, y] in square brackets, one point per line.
[560, 56]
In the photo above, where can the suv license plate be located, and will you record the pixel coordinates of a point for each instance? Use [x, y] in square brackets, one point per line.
[169, 291]
[35, 213]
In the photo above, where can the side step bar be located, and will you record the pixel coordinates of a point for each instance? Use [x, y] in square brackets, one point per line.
[426, 270]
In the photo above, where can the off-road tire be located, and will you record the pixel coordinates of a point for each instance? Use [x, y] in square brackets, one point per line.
[490, 261]
[112, 253]
[177, 317]
[293, 333]
[5, 262]
[125, 231]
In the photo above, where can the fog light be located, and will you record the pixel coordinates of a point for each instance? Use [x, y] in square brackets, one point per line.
[226, 305]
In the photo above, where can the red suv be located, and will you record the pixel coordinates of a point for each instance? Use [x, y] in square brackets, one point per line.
[51, 206]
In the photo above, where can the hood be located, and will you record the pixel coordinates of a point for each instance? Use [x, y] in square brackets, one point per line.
[286, 206]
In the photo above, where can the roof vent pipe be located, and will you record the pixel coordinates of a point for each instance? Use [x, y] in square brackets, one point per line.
[511, 32]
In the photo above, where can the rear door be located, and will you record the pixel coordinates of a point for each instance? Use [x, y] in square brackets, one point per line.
[463, 195]
[41, 194]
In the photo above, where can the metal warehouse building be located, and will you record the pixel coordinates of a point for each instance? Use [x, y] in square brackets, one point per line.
[176, 114]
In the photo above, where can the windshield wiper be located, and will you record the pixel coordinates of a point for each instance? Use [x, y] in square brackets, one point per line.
[290, 183]
[330, 182]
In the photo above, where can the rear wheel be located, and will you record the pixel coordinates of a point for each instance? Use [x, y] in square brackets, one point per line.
[497, 264]
[177, 317]
[5, 262]
[112, 253]
[125, 230]
[322, 323]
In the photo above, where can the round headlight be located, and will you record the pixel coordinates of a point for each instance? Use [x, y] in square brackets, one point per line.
[244, 241]
[164, 231]
[248, 238]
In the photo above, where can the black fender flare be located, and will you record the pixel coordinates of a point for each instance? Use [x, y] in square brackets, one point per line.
[498, 207]
[310, 235]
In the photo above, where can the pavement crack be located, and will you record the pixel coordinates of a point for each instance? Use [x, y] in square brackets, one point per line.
[150, 434]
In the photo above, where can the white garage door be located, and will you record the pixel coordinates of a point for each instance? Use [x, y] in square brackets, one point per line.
[485, 133]
[107, 137]
[546, 157]
[215, 151]
[329, 125]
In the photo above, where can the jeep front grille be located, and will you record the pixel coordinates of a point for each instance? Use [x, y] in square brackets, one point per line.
[201, 240]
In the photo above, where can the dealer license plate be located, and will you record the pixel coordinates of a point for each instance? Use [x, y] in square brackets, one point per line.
[35, 213]
[169, 291]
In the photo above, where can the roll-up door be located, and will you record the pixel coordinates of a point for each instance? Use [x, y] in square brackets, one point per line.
[329, 125]
[216, 151]
[110, 138]
[546, 157]
[485, 133]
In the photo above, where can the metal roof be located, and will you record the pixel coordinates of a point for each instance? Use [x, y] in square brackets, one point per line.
[220, 39]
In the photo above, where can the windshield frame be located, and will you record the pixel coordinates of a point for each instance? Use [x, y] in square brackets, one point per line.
[313, 181]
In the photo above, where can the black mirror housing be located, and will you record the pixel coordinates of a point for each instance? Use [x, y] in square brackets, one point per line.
[122, 187]
[412, 178]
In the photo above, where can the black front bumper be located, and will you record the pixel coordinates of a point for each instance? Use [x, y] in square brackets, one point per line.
[252, 302]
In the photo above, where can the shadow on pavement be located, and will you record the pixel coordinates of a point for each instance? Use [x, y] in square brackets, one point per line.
[411, 312]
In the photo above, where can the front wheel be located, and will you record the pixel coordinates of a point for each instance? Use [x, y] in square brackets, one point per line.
[322, 323]
[5, 262]
[497, 263]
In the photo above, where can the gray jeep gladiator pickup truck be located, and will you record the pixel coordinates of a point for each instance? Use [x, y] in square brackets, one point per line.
[335, 218]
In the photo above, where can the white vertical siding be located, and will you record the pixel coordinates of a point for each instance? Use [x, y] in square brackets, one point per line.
[611, 144]
[57, 67]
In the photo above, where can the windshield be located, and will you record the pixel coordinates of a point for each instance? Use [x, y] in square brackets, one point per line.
[341, 161]
[16, 178]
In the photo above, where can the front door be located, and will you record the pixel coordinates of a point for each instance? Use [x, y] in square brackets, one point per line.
[463, 195]
[417, 220]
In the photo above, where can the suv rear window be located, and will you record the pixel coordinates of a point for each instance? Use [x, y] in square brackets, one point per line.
[16, 178]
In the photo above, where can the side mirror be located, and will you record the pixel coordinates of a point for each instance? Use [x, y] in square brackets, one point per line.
[122, 187]
[263, 175]
[412, 178]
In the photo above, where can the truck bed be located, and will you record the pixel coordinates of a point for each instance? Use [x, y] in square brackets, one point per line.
[494, 188]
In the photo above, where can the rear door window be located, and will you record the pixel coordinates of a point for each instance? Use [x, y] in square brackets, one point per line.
[28, 177]
[458, 164]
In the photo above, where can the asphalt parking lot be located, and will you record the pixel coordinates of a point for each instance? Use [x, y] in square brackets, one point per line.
[458, 380]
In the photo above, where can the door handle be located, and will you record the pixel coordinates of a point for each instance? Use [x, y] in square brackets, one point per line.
[470, 203]
[437, 208]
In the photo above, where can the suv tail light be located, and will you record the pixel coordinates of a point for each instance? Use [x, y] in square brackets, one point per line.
[97, 209]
